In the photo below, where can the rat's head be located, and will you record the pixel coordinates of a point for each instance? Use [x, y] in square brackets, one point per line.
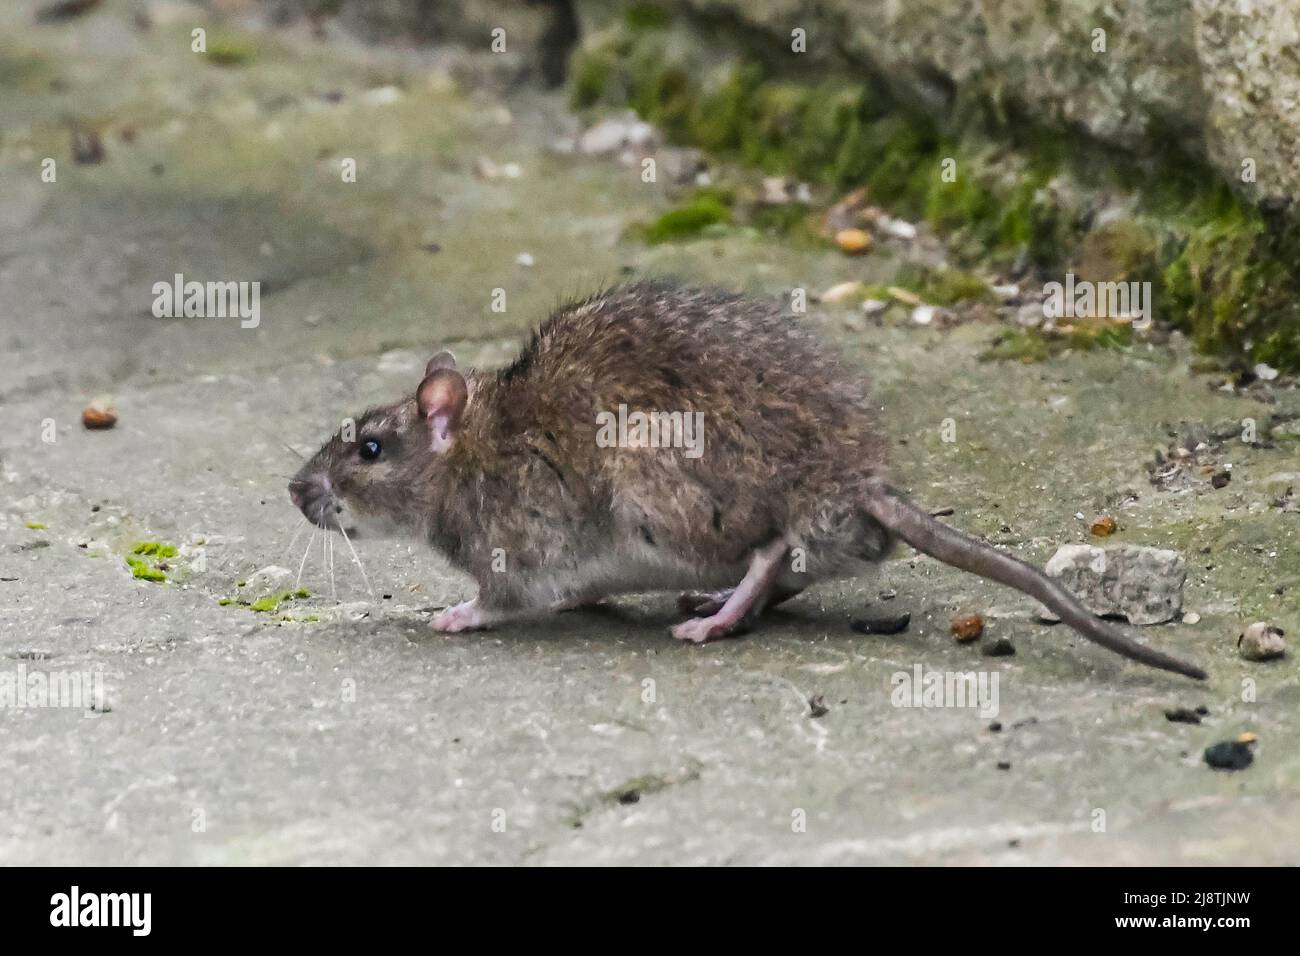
[374, 468]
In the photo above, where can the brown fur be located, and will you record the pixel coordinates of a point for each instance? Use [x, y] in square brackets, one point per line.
[789, 441]
[789, 488]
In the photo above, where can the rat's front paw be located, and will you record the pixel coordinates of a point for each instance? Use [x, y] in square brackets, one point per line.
[462, 617]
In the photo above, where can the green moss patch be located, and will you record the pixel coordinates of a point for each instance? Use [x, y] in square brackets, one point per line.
[146, 560]
[154, 549]
[687, 221]
[1004, 191]
[229, 50]
[944, 286]
[1038, 345]
[145, 570]
[271, 602]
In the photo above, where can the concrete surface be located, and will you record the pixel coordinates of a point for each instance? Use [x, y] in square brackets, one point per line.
[347, 732]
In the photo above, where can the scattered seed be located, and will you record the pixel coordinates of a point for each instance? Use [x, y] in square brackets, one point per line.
[1229, 755]
[1181, 715]
[1004, 764]
[999, 648]
[1103, 527]
[87, 147]
[969, 628]
[853, 241]
[884, 624]
[1221, 479]
[904, 296]
[98, 415]
[817, 706]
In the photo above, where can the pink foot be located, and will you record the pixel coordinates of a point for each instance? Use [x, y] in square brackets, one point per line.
[467, 616]
[750, 595]
[700, 629]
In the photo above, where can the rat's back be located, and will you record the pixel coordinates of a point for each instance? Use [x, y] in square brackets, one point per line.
[786, 436]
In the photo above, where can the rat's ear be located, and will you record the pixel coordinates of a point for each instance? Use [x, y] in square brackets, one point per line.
[441, 399]
[443, 359]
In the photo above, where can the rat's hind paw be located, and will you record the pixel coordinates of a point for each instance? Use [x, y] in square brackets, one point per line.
[467, 616]
[700, 629]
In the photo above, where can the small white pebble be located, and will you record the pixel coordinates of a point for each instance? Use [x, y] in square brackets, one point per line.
[524, 259]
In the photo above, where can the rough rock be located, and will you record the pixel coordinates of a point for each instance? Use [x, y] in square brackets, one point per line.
[1144, 585]
[1217, 78]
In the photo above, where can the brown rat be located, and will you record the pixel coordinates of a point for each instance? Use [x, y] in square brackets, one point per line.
[543, 482]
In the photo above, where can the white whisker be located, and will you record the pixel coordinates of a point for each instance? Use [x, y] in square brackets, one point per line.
[297, 533]
[360, 566]
[298, 583]
[334, 592]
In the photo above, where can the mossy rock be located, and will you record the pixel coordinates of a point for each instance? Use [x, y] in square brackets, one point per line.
[1021, 195]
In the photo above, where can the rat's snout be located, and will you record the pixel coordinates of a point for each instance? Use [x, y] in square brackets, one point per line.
[312, 496]
[298, 491]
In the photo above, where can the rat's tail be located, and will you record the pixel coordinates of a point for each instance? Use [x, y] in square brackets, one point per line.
[915, 526]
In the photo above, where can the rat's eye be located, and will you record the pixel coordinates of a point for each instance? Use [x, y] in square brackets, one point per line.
[369, 450]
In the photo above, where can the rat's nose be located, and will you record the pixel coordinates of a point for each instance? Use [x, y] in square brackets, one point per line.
[298, 491]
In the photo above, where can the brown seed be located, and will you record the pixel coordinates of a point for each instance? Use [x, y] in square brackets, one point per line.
[87, 147]
[853, 241]
[969, 628]
[1103, 527]
[98, 415]
[904, 296]
[1246, 737]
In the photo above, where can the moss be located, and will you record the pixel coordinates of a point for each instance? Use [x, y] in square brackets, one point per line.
[1037, 345]
[270, 603]
[589, 76]
[144, 570]
[1125, 250]
[646, 16]
[225, 49]
[689, 220]
[1100, 334]
[1021, 194]
[154, 549]
[34, 526]
[944, 286]
[1232, 286]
